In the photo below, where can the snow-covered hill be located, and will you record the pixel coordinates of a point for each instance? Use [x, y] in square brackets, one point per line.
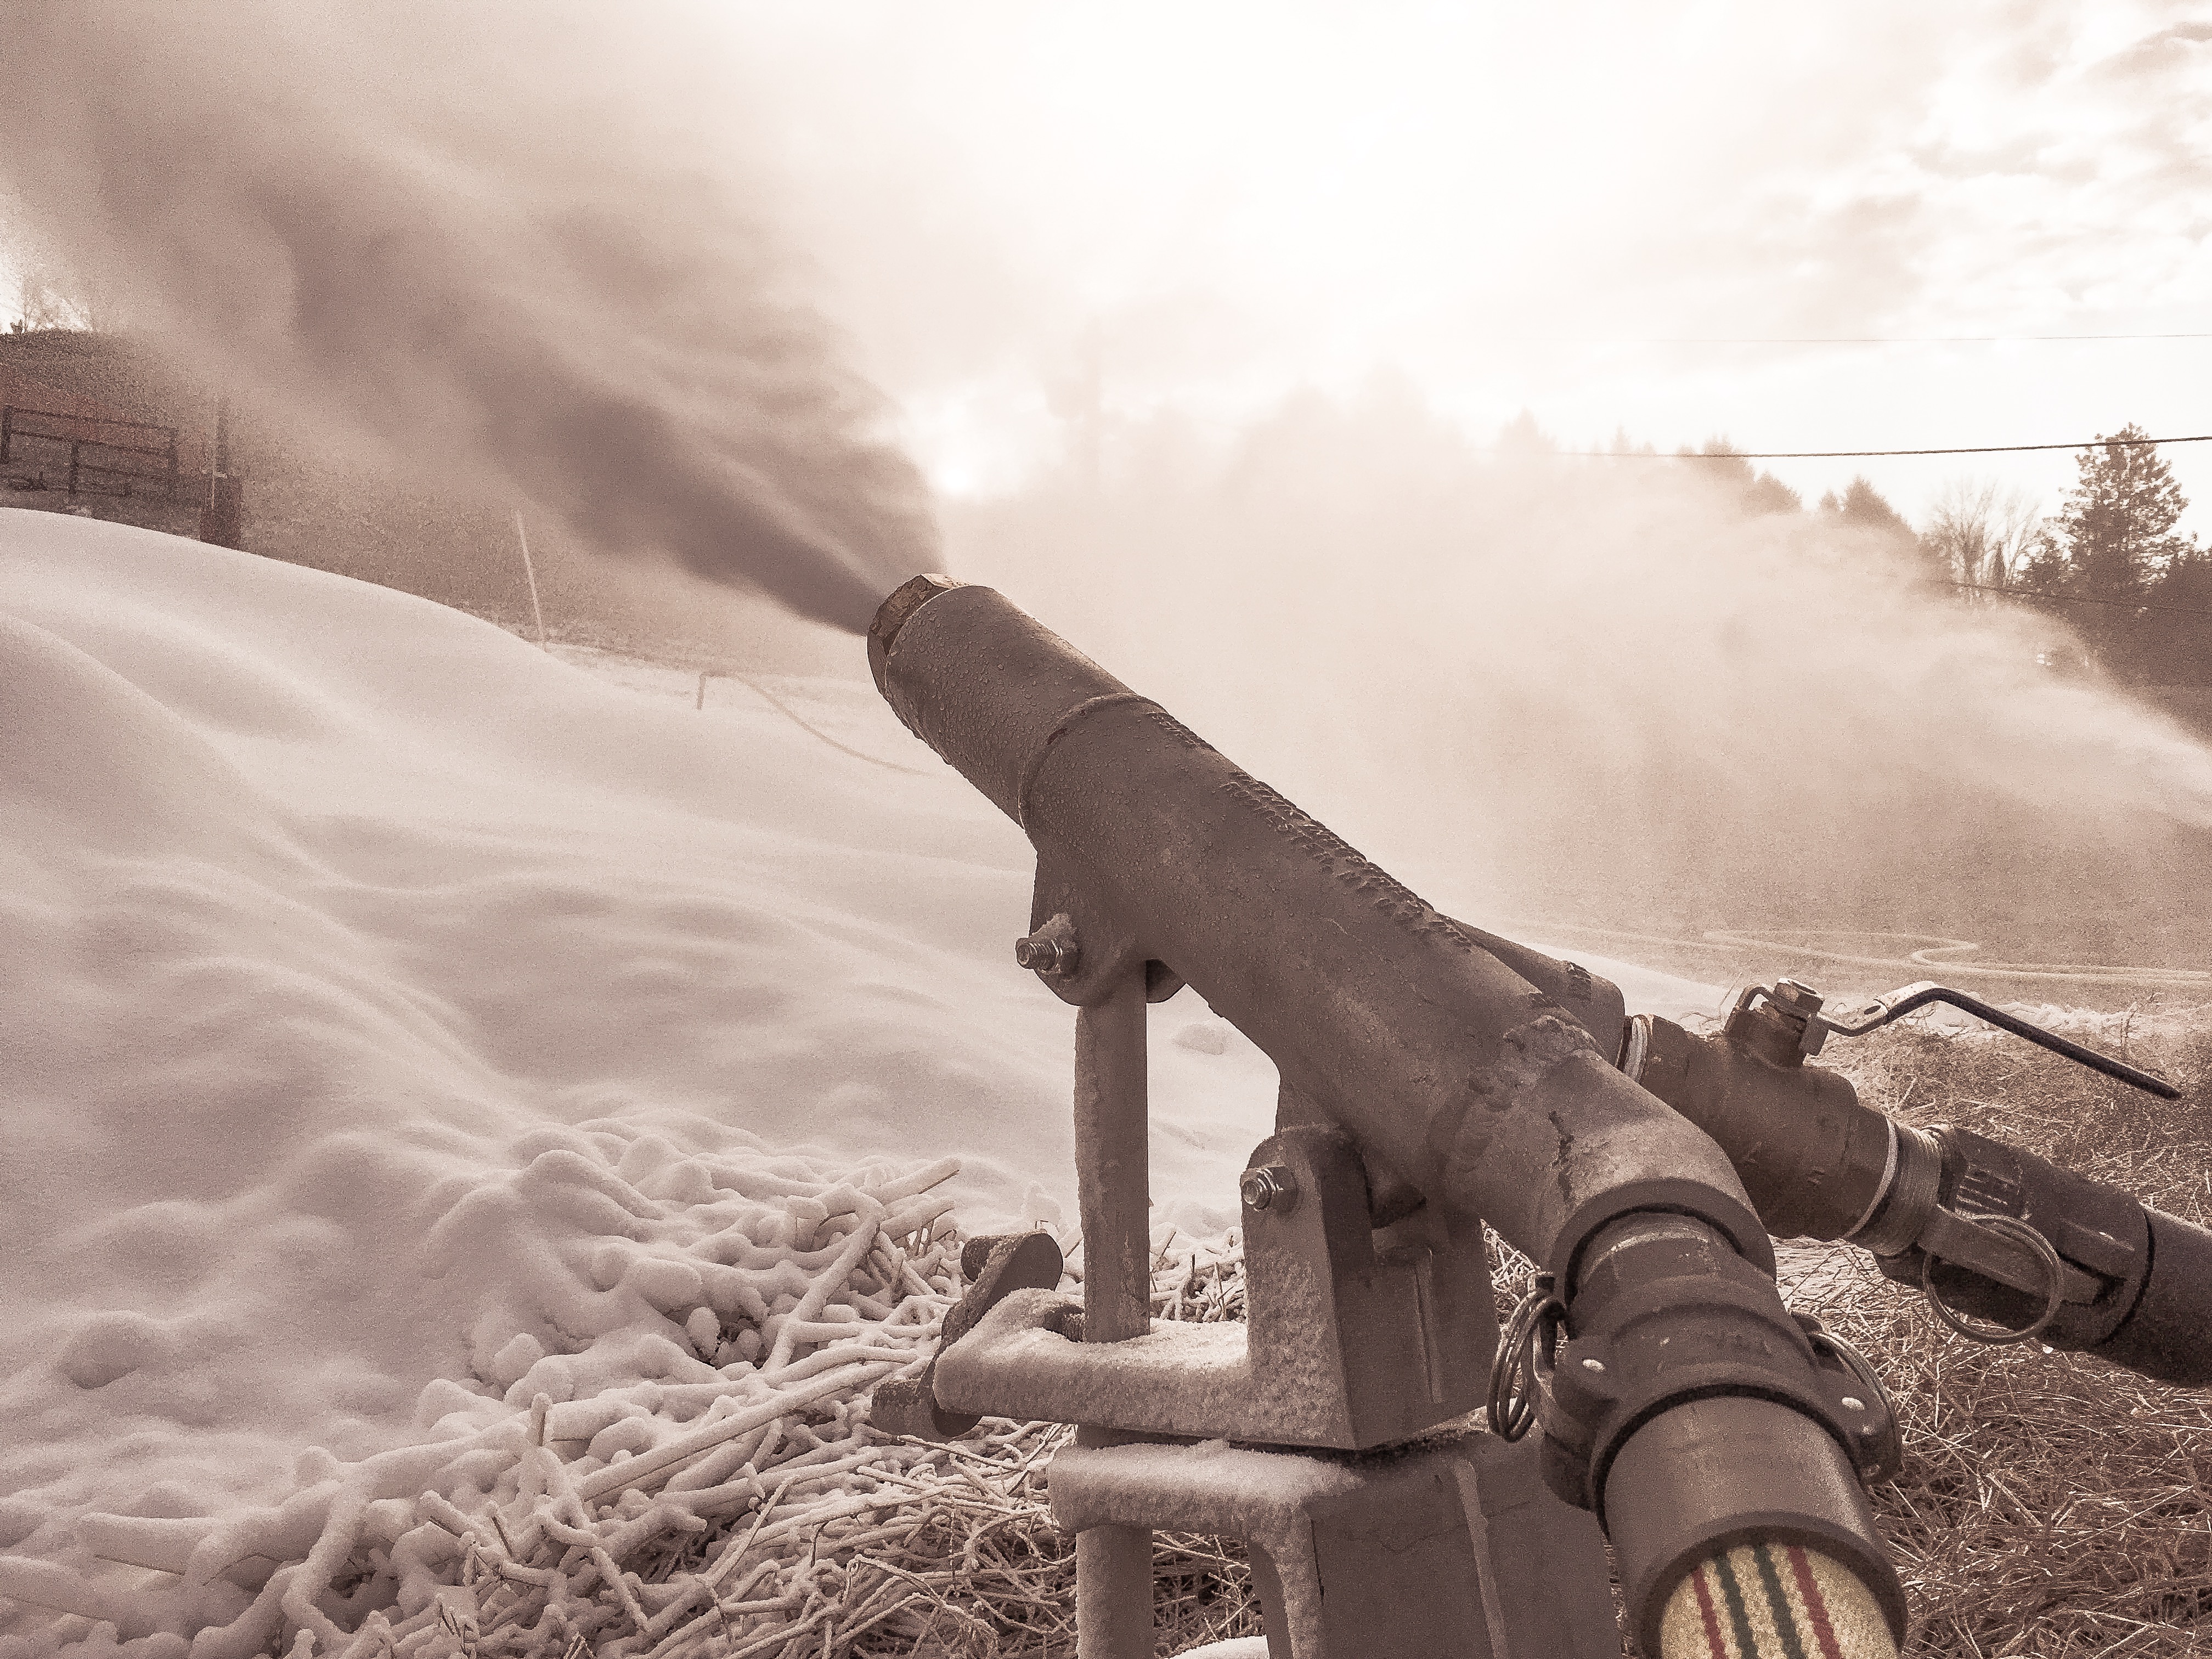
[388, 1004]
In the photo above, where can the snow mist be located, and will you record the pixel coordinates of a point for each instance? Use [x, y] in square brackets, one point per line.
[1549, 691]
[478, 235]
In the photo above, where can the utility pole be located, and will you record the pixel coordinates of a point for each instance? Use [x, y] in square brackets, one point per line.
[222, 520]
[536, 612]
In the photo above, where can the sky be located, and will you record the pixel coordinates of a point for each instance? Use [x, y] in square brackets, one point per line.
[1576, 212]
[1807, 228]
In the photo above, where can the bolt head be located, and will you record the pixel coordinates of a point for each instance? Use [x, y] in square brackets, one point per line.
[1852, 1402]
[1593, 1365]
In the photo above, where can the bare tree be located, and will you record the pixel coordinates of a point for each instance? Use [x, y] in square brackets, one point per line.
[46, 297]
[1982, 533]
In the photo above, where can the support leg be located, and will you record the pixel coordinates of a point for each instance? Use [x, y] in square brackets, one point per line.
[1113, 1593]
[1114, 1565]
[1112, 1164]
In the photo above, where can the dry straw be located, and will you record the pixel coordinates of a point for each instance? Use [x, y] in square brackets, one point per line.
[2050, 1503]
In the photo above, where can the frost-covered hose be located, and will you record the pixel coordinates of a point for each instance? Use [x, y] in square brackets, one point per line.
[1773, 1602]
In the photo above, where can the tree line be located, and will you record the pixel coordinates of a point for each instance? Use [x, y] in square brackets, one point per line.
[2137, 593]
[2110, 563]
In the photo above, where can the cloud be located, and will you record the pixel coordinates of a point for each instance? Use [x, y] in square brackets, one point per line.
[1600, 691]
[2170, 51]
[1464, 192]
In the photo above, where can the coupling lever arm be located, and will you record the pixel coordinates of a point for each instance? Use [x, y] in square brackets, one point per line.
[1872, 1015]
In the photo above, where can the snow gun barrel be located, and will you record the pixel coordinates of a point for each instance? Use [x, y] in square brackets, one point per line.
[1688, 1410]
[1988, 1231]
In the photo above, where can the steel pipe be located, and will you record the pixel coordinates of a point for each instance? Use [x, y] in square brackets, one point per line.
[1464, 1084]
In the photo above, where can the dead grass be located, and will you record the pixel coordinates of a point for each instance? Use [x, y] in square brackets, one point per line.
[2051, 1504]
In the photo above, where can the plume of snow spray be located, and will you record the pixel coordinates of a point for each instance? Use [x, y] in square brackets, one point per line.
[1546, 690]
[471, 233]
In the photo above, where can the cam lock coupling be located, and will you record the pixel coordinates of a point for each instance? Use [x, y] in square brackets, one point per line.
[1666, 1317]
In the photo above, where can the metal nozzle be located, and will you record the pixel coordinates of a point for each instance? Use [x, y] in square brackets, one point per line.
[892, 614]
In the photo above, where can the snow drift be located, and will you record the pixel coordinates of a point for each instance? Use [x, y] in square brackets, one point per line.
[366, 967]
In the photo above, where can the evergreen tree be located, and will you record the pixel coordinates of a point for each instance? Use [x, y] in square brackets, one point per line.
[2116, 524]
[1724, 467]
[2175, 646]
[2112, 540]
[1863, 507]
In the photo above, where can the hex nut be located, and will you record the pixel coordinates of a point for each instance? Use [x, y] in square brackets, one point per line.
[1798, 999]
[1267, 1187]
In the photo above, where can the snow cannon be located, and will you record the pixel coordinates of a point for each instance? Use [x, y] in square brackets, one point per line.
[1364, 1431]
[2006, 1246]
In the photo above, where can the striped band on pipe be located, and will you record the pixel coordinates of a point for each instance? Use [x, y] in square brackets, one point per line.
[1773, 1602]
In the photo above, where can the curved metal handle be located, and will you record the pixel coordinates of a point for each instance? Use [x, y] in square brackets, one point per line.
[1872, 1016]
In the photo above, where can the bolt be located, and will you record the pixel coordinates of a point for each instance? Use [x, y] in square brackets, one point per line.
[1267, 1187]
[1046, 955]
[1852, 1402]
[1593, 1365]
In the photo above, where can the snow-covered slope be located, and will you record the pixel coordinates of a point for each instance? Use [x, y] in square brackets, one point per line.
[361, 963]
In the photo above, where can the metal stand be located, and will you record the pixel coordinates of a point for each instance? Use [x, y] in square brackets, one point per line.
[1113, 1563]
[1333, 1431]
[1424, 1060]
[1454, 1549]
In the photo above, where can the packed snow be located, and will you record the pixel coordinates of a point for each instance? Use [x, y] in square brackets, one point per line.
[405, 1022]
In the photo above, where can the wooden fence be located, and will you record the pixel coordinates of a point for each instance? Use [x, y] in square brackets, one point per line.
[133, 452]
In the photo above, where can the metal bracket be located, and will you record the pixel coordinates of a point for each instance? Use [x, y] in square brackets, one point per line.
[1090, 951]
[1369, 1324]
[995, 1268]
[1433, 1550]
[1342, 1347]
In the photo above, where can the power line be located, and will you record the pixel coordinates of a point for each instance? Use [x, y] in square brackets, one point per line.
[1837, 339]
[2078, 599]
[1856, 454]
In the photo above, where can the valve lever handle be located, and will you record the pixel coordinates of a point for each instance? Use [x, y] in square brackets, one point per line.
[1872, 1016]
